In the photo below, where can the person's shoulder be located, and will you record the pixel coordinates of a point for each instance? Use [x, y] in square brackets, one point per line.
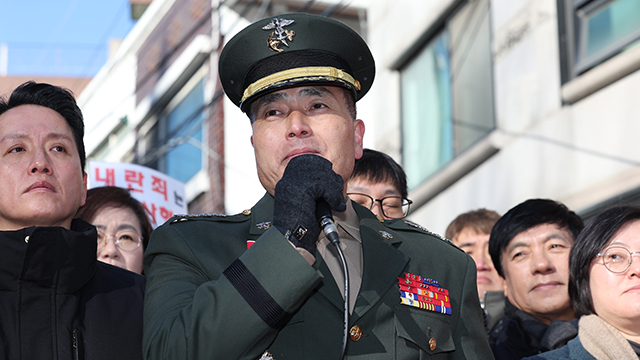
[572, 351]
[117, 275]
[214, 217]
[112, 282]
[187, 222]
[414, 232]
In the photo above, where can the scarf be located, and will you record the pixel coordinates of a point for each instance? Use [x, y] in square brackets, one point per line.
[603, 341]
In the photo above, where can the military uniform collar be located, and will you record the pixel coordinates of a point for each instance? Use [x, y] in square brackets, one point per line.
[349, 221]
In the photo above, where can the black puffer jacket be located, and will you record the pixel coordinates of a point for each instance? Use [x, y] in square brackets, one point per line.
[58, 302]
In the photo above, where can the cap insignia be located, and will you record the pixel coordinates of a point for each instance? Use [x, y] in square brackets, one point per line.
[279, 35]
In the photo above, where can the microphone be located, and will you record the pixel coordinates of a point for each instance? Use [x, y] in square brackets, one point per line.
[325, 219]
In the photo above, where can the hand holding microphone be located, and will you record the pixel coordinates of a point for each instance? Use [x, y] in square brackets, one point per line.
[306, 180]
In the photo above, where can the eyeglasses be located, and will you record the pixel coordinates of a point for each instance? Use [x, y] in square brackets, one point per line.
[125, 240]
[617, 259]
[393, 207]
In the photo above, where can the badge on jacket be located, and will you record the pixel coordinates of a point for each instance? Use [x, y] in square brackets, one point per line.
[424, 293]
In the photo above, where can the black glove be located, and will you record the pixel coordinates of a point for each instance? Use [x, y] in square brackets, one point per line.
[306, 179]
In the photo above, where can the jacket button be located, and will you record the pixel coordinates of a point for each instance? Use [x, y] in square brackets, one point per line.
[246, 212]
[26, 239]
[355, 333]
[432, 344]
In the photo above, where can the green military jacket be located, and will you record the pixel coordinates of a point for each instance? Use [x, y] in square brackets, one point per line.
[196, 308]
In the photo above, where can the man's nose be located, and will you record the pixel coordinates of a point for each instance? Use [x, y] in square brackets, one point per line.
[376, 208]
[541, 263]
[483, 262]
[40, 163]
[298, 125]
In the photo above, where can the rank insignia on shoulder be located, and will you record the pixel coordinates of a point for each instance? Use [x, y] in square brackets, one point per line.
[418, 226]
[187, 217]
[424, 293]
[263, 225]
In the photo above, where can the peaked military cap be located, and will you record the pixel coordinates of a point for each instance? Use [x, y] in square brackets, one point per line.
[293, 49]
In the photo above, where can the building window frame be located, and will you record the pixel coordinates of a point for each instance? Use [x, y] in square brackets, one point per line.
[582, 74]
[475, 18]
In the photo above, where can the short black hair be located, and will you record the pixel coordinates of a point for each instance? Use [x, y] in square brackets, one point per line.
[378, 167]
[55, 98]
[526, 215]
[595, 237]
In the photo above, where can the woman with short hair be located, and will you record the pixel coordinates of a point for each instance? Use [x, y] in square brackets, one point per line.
[122, 223]
[604, 288]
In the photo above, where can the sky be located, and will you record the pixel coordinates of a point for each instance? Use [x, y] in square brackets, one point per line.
[60, 37]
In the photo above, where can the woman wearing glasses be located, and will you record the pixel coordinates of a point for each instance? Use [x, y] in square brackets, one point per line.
[122, 224]
[604, 287]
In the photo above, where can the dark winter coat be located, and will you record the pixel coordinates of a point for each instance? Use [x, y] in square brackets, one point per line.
[58, 302]
[519, 335]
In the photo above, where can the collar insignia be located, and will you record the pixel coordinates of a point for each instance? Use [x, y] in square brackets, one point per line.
[263, 225]
[279, 35]
[424, 293]
[386, 235]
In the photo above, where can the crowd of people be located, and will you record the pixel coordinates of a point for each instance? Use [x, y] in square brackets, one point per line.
[85, 276]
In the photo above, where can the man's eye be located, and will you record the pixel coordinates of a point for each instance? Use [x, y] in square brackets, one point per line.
[59, 148]
[318, 106]
[16, 150]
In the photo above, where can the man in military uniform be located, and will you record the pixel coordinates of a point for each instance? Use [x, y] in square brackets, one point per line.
[215, 293]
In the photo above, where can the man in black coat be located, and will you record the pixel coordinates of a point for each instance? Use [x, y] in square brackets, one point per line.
[529, 247]
[56, 300]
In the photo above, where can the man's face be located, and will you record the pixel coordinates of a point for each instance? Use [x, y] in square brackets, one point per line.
[536, 271]
[43, 183]
[304, 120]
[377, 190]
[477, 246]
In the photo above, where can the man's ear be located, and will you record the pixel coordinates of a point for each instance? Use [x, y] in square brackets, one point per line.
[358, 137]
[84, 188]
[252, 141]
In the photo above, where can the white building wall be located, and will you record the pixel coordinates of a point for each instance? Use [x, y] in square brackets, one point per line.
[565, 152]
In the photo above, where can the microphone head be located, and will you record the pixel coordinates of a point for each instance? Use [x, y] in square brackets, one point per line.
[323, 210]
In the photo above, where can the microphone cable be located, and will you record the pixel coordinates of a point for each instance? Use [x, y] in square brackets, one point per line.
[323, 212]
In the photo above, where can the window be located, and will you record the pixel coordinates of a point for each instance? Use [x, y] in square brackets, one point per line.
[447, 93]
[173, 144]
[592, 31]
[184, 129]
